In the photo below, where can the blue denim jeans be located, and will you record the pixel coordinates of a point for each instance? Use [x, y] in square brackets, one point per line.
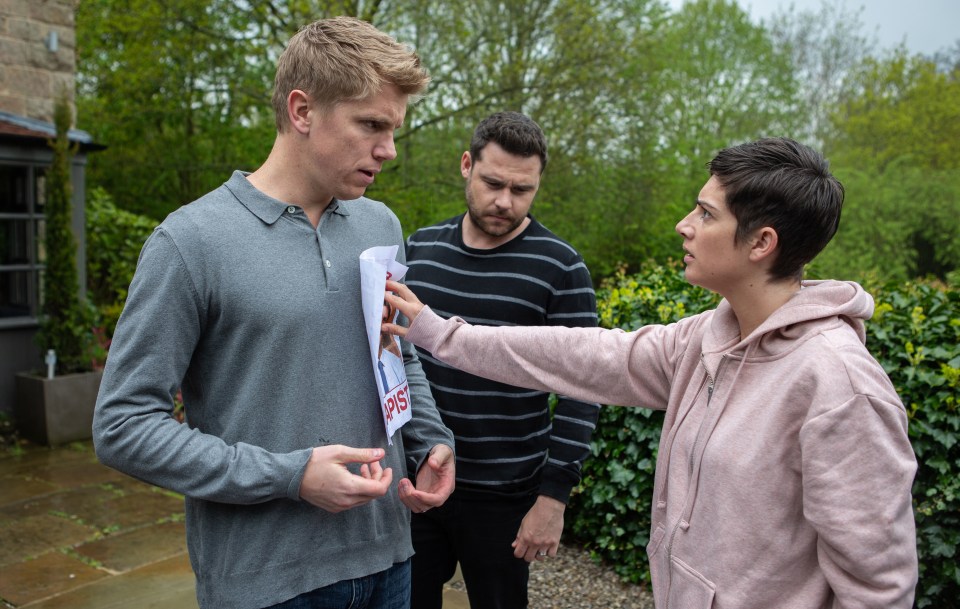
[388, 589]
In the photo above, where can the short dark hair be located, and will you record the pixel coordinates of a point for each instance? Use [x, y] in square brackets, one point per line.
[780, 183]
[514, 132]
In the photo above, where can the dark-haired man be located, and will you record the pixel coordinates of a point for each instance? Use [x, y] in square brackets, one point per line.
[516, 463]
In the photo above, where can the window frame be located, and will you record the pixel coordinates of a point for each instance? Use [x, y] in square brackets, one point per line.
[34, 217]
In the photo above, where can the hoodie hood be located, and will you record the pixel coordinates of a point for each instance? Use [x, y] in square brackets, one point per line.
[818, 303]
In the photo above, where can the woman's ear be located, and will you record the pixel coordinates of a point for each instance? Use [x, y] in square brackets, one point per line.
[764, 244]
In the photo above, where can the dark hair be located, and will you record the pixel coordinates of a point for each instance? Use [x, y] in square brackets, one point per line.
[780, 183]
[514, 132]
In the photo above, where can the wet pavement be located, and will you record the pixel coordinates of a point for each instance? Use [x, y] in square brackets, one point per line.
[75, 534]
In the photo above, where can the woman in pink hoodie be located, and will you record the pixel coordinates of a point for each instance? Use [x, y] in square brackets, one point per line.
[784, 472]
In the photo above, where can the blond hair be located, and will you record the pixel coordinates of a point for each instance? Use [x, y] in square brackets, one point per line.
[340, 59]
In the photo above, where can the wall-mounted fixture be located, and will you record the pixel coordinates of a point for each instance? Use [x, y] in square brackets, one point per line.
[53, 41]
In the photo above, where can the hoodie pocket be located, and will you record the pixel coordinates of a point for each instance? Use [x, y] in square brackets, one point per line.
[655, 540]
[688, 589]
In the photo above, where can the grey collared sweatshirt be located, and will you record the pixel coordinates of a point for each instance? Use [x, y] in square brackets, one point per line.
[257, 316]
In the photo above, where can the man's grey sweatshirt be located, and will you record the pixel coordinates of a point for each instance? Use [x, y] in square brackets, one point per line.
[257, 316]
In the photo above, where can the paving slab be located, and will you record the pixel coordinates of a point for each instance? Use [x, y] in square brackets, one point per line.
[137, 509]
[78, 503]
[455, 599]
[14, 489]
[76, 472]
[168, 584]
[32, 458]
[48, 575]
[26, 538]
[140, 547]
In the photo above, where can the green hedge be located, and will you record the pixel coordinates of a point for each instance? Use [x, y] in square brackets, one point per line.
[114, 240]
[915, 334]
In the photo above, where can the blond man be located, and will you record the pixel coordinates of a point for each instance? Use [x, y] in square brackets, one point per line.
[249, 299]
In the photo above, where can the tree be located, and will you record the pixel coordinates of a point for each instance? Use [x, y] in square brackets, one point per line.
[902, 107]
[698, 80]
[63, 325]
[634, 99]
[558, 61]
[177, 90]
[826, 47]
[896, 144]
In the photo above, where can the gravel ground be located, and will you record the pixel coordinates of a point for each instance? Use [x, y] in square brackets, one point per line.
[572, 580]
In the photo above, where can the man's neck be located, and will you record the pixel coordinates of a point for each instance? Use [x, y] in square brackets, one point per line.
[281, 177]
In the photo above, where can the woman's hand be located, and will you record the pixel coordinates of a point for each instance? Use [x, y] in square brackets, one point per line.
[400, 297]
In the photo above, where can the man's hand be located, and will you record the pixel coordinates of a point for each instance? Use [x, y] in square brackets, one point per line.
[328, 484]
[539, 534]
[401, 298]
[435, 481]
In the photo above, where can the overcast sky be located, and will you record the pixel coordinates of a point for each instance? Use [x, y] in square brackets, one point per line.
[927, 26]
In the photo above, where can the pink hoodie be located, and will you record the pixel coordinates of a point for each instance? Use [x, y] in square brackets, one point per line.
[784, 472]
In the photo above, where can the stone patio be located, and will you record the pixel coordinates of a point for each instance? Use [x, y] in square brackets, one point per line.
[75, 534]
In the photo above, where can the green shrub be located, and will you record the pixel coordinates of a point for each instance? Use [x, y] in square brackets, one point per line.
[114, 240]
[914, 334]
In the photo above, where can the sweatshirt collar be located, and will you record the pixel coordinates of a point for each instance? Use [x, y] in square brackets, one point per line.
[268, 209]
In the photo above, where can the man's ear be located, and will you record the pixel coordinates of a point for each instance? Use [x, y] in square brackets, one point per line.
[763, 244]
[466, 164]
[298, 111]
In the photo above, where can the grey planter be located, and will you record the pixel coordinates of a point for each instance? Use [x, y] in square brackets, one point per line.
[58, 410]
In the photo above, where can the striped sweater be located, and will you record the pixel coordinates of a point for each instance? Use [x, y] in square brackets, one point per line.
[507, 441]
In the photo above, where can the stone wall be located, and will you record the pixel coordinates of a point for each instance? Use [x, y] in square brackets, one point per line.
[37, 55]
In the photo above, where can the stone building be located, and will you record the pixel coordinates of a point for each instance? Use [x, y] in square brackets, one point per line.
[37, 64]
[38, 49]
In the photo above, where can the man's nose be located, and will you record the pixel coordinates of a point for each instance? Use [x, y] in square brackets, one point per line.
[386, 149]
[504, 199]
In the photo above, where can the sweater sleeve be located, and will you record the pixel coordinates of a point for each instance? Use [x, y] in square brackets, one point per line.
[574, 421]
[588, 364]
[134, 430]
[858, 469]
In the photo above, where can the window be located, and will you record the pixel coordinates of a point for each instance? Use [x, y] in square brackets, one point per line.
[22, 256]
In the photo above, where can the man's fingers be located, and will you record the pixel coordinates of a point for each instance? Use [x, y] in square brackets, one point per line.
[361, 491]
[329, 483]
[347, 454]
